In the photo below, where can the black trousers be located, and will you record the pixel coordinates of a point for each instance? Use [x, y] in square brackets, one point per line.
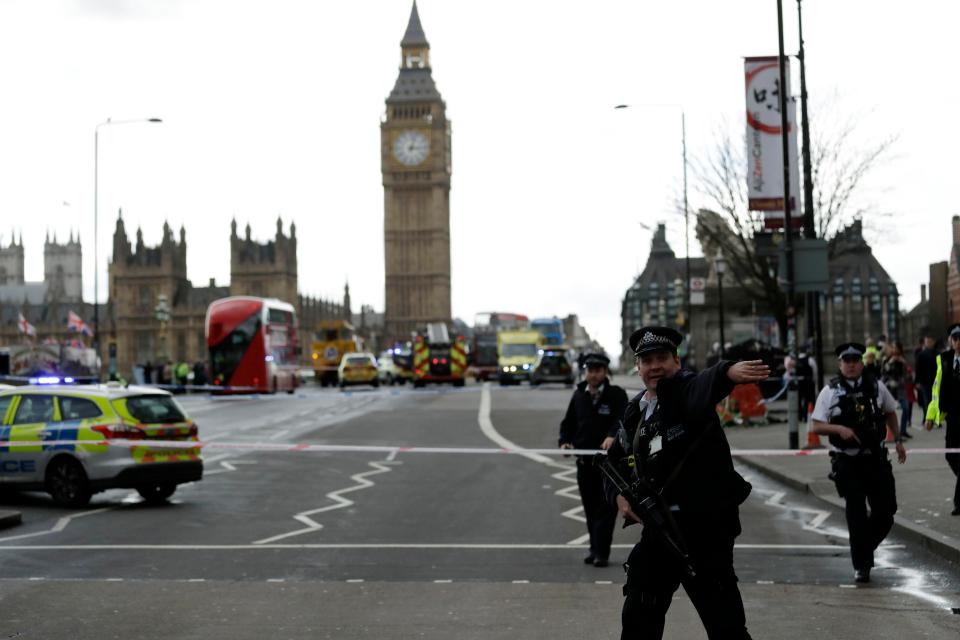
[953, 459]
[863, 480]
[653, 575]
[601, 515]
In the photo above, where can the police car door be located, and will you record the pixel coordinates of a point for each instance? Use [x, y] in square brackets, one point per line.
[30, 420]
[6, 402]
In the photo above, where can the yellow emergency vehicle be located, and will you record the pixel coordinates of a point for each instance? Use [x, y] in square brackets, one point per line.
[74, 441]
[437, 358]
[517, 353]
[333, 339]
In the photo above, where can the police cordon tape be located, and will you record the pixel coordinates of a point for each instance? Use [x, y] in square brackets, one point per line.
[357, 448]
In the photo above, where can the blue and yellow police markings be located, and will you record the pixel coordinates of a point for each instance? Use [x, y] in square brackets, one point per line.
[61, 431]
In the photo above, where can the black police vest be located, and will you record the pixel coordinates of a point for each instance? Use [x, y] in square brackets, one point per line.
[858, 410]
[647, 449]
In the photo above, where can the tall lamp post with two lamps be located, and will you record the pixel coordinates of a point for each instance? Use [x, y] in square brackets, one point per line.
[96, 184]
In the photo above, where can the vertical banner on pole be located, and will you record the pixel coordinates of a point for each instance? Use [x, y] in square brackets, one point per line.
[765, 145]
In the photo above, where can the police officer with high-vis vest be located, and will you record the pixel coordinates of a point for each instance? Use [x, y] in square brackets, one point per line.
[945, 406]
[591, 422]
[855, 411]
[672, 445]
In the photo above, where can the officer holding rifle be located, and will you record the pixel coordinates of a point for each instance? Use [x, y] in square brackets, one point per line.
[671, 469]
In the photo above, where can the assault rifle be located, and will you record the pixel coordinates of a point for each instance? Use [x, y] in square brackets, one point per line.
[653, 512]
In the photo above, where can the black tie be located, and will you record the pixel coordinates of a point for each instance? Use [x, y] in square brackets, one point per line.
[956, 368]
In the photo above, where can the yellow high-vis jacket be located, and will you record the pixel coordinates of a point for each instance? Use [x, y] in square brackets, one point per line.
[937, 409]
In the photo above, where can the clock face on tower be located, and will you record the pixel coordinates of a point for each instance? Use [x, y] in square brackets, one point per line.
[411, 147]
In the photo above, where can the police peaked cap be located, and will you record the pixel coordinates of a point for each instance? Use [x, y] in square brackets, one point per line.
[596, 360]
[954, 330]
[850, 349]
[650, 339]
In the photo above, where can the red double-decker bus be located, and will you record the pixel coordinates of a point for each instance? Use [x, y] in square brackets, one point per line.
[253, 344]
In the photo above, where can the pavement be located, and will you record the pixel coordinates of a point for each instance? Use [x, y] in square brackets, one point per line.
[924, 483]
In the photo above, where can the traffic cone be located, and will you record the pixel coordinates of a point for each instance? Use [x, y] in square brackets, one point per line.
[813, 439]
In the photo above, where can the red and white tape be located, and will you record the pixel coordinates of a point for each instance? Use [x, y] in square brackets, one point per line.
[357, 448]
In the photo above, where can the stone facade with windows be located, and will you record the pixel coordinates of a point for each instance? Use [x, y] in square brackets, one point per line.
[862, 301]
[139, 275]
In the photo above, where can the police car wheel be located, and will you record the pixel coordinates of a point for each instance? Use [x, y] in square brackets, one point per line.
[156, 493]
[67, 483]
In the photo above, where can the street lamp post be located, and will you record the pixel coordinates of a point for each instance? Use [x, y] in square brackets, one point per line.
[96, 183]
[686, 208]
[720, 266]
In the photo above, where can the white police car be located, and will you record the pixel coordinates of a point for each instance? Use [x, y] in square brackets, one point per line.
[54, 423]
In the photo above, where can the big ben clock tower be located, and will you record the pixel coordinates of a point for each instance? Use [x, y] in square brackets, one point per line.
[415, 161]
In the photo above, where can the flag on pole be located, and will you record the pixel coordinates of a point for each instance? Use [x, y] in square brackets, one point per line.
[25, 327]
[76, 323]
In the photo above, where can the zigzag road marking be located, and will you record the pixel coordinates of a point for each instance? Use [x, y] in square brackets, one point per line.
[572, 492]
[59, 526]
[339, 503]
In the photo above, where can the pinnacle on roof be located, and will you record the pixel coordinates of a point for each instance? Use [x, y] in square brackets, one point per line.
[414, 35]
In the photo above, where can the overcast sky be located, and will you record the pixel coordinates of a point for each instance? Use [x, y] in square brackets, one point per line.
[273, 108]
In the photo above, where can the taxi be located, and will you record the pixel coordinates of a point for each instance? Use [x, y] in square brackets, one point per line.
[358, 368]
[71, 470]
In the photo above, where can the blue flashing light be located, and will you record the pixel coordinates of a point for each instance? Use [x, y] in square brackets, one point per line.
[68, 380]
[45, 380]
[268, 358]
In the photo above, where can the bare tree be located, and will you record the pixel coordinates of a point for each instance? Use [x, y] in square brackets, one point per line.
[840, 166]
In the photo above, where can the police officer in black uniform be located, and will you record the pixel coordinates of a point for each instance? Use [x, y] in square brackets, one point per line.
[592, 419]
[671, 438]
[855, 411]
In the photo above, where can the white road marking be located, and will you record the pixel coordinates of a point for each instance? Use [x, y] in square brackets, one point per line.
[227, 466]
[571, 491]
[442, 581]
[382, 546]
[815, 524]
[339, 503]
[275, 580]
[355, 580]
[59, 526]
[521, 582]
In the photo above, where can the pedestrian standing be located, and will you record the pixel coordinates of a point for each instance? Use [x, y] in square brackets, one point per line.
[672, 440]
[148, 373]
[591, 422]
[855, 412]
[871, 364]
[926, 368]
[945, 406]
[894, 377]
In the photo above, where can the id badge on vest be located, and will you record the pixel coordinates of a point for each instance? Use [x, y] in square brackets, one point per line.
[603, 410]
[656, 445]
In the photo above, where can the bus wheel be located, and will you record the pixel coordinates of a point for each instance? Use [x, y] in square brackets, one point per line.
[67, 483]
[156, 493]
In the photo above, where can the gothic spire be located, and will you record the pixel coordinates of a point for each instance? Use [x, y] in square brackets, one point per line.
[414, 36]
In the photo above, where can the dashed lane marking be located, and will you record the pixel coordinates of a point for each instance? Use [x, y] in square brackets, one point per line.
[389, 547]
